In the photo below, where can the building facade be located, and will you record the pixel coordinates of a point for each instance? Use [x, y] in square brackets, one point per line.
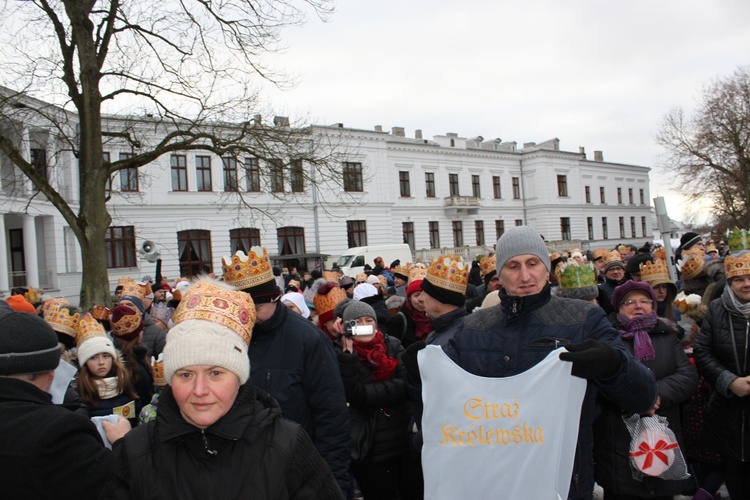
[448, 193]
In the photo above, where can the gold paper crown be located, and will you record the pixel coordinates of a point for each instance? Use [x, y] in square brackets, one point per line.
[418, 272]
[127, 323]
[88, 327]
[601, 253]
[207, 301]
[711, 247]
[574, 275]
[58, 316]
[696, 251]
[157, 369]
[331, 276]
[692, 266]
[613, 256]
[554, 256]
[737, 266]
[32, 296]
[655, 273]
[101, 313]
[55, 303]
[326, 303]
[576, 253]
[246, 271]
[402, 270]
[487, 265]
[132, 289]
[738, 239]
[660, 253]
[361, 278]
[449, 272]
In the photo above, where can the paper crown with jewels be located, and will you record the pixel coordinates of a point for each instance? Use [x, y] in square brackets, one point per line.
[695, 250]
[327, 302]
[208, 301]
[448, 272]
[417, 272]
[132, 289]
[691, 266]
[58, 316]
[246, 271]
[656, 272]
[711, 247]
[737, 266]
[487, 265]
[402, 270]
[660, 253]
[738, 239]
[601, 253]
[573, 274]
[331, 276]
[157, 369]
[101, 313]
[87, 328]
[613, 256]
[361, 278]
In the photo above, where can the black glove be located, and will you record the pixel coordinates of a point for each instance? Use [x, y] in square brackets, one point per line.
[409, 360]
[593, 359]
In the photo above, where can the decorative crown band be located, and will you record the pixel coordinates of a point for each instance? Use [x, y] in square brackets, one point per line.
[246, 271]
[327, 302]
[132, 289]
[737, 266]
[418, 272]
[88, 327]
[487, 265]
[655, 272]
[58, 316]
[449, 272]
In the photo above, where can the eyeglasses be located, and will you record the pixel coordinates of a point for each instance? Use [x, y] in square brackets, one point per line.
[642, 303]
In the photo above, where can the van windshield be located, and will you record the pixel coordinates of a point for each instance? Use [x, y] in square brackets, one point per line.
[344, 260]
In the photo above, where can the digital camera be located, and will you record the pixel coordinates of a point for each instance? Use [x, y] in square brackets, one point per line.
[352, 329]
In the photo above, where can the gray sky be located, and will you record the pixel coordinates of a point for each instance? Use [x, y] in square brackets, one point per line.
[593, 73]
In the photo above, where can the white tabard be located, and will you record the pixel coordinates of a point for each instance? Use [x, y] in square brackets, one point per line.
[510, 437]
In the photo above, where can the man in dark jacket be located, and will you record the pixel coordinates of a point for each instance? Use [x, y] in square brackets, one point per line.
[529, 323]
[294, 361]
[443, 300]
[48, 450]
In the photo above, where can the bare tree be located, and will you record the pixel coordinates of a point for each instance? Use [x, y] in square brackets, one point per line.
[709, 150]
[178, 74]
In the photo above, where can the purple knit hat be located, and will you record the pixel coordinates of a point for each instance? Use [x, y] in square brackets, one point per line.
[631, 286]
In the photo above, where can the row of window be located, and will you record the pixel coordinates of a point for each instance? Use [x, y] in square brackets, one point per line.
[602, 198]
[404, 183]
[565, 227]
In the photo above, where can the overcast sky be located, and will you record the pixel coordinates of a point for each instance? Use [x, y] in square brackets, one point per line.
[593, 73]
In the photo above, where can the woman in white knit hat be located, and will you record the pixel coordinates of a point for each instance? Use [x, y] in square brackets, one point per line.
[215, 434]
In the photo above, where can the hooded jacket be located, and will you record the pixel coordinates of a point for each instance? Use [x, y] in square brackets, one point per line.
[251, 452]
[154, 338]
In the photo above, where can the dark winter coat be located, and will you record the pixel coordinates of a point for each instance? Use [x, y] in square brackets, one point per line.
[381, 310]
[498, 342]
[251, 452]
[47, 451]
[446, 327]
[293, 360]
[154, 337]
[402, 327]
[722, 355]
[387, 399]
[676, 380]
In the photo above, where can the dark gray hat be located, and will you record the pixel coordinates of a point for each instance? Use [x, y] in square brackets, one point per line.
[27, 345]
[520, 240]
[357, 309]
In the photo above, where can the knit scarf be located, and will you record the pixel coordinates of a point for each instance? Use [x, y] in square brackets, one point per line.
[421, 321]
[741, 307]
[637, 328]
[372, 353]
[107, 387]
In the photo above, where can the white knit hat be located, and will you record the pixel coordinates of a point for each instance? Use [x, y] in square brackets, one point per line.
[364, 290]
[93, 346]
[199, 342]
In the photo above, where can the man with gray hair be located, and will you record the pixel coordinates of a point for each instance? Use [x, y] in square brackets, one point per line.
[528, 324]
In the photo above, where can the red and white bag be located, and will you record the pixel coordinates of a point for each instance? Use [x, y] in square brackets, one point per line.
[653, 449]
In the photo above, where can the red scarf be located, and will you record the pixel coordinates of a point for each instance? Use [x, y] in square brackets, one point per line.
[421, 321]
[372, 353]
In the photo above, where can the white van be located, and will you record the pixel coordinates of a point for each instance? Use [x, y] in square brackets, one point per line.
[353, 260]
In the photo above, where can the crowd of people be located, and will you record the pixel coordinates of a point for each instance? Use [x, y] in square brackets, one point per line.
[272, 384]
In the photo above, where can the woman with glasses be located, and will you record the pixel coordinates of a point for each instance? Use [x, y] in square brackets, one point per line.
[654, 343]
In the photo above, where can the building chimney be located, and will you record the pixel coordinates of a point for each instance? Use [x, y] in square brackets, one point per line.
[378, 128]
[418, 134]
[280, 121]
[598, 156]
[258, 119]
[582, 151]
[398, 131]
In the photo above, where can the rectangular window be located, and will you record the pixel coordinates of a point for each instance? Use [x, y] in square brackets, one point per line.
[605, 232]
[587, 189]
[277, 176]
[203, 173]
[496, 192]
[453, 184]
[632, 227]
[243, 238]
[458, 233]
[519, 222]
[630, 195]
[353, 177]
[562, 185]
[194, 246]
[476, 190]
[128, 176]
[601, 195]
[643, 226]
[38, 160]
[404, 185]
[640, 192]
[179, 172]
[252, 174]
[619, 196]
[565, 228]
[408, 229]
[516, 188]
[230, 174]
[429, 182]
[434, 234]
[479, 230]
[297, 177]
[590, 226]
[108, 184]
[291, 240]
[499, 228]
[119, 246]
[622, 226]
[356, 231]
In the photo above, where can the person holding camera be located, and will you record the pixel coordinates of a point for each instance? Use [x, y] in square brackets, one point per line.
[373, 377]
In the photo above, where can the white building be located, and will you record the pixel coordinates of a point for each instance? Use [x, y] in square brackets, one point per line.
[433, 194]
